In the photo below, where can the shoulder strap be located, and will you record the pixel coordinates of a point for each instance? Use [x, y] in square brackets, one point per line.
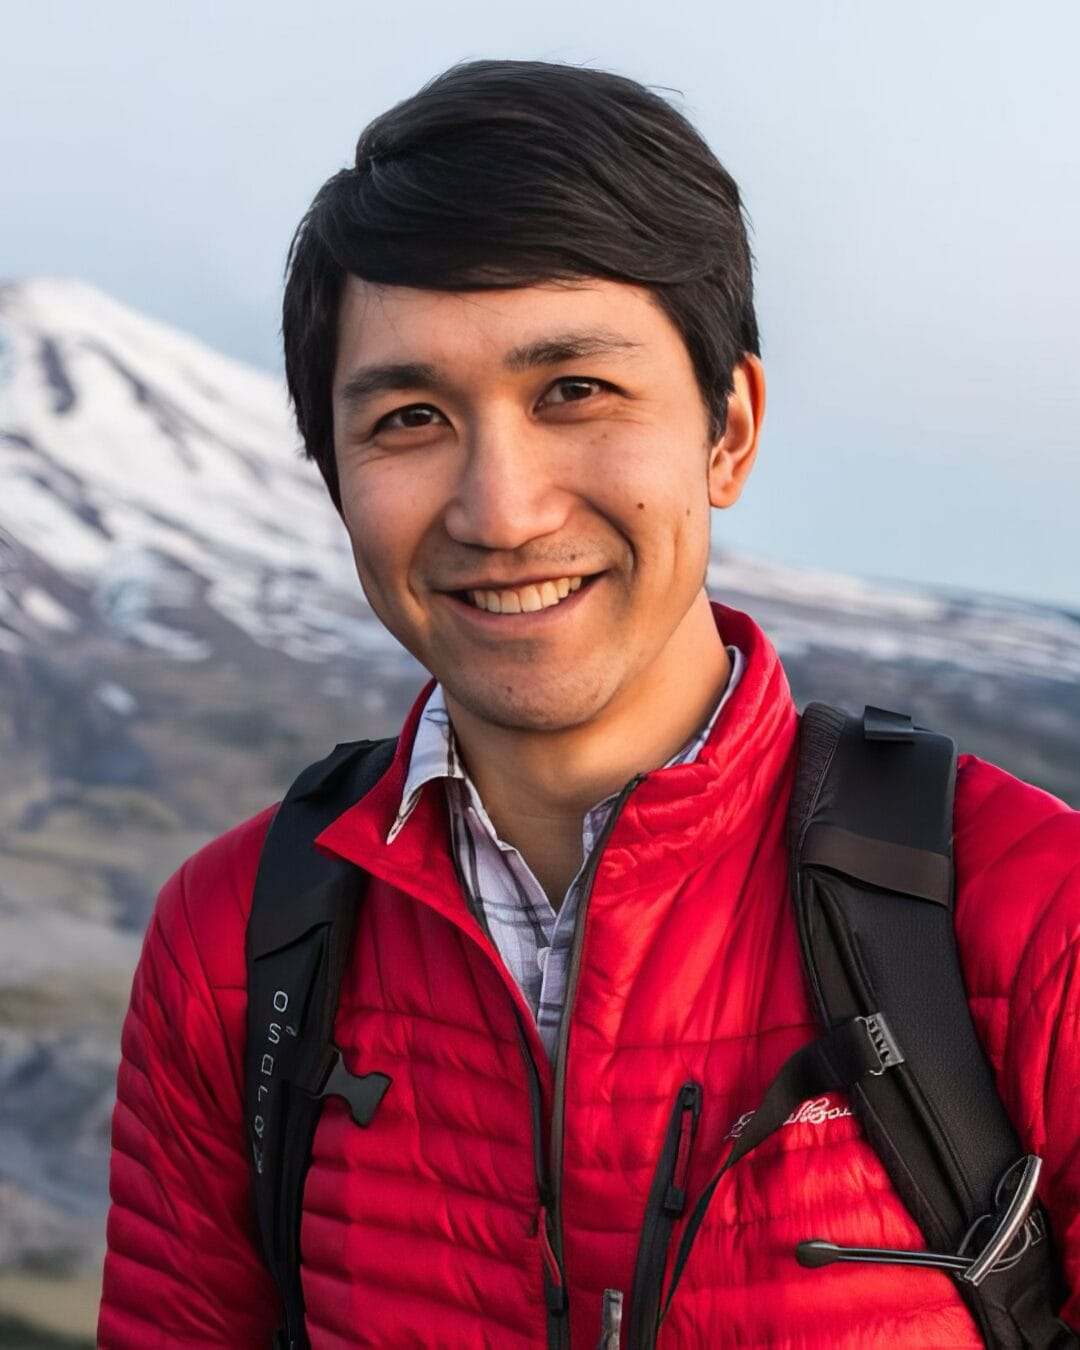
[299, 937]
[872, 882]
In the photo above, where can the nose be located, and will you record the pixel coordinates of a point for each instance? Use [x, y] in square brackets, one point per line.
[508, 492]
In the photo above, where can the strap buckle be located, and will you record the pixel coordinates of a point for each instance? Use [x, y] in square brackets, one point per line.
[880, 724]
[1020, 1223]
[1017, 1220]
[361, 1093]
[884, 1042]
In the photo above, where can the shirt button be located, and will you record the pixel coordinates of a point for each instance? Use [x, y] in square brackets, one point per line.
[542, 958]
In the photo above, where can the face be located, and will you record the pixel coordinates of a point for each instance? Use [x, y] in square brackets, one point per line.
[526, 479]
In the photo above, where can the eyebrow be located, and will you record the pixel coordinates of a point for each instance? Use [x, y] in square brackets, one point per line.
[402, 376]
[551, 351]
[370, 380]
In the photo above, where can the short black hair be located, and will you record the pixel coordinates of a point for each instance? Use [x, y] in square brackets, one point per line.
[501, 174]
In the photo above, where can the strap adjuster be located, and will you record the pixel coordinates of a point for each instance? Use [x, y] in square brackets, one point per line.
[1015, 1218]
[884, 1042]
[1017, 1227]
[880, 724]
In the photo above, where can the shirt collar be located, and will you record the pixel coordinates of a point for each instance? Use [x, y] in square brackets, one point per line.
[435, 754]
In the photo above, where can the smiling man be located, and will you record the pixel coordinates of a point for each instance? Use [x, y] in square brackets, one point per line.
[521, 345]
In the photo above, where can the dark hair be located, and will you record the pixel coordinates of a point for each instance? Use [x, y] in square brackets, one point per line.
[510, 173]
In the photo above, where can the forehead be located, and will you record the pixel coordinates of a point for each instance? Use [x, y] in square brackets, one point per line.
[382, 324]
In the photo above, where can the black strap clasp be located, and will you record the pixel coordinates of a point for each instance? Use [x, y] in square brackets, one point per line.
[879, 724]
[362, 1093]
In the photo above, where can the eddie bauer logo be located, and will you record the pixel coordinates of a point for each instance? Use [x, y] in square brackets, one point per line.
[814, 1112]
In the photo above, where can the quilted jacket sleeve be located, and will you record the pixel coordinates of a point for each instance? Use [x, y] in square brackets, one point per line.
[1055, 1001]
[1018, 924]
[182, 1267]
[1044, 1048]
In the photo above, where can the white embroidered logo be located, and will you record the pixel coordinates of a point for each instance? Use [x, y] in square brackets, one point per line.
[814, 1112]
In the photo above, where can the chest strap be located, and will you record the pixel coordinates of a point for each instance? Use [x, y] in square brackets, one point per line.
[838, 1058]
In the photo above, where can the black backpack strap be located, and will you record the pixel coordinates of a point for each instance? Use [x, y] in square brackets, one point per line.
[299, 937]
[872, 883]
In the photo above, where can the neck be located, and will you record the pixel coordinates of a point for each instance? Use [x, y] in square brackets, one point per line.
[538, 785]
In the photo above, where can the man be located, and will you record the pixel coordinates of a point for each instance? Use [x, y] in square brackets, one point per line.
[521, 344]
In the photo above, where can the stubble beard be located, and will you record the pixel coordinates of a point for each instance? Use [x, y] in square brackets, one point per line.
[529, 700]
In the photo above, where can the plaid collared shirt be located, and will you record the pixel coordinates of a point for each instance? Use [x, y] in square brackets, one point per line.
[533, 939]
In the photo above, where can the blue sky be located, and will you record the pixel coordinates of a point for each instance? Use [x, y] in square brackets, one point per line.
[911, 171]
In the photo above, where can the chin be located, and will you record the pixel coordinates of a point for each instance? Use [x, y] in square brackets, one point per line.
[525, 708]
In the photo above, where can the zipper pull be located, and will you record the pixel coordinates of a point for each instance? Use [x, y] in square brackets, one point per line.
[554, 1292]
[689, 1111]
[611, 1320]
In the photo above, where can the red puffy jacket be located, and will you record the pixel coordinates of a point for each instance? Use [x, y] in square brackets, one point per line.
[423, 1230]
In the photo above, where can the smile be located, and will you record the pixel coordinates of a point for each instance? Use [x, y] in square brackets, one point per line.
[525, 599]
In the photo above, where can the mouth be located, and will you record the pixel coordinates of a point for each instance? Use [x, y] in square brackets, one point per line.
[527, 599]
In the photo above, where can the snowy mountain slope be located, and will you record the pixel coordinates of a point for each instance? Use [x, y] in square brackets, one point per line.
[157, 476]
[805, 611]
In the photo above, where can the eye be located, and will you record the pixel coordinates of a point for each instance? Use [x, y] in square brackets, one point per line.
[408, 419]
[574, 389]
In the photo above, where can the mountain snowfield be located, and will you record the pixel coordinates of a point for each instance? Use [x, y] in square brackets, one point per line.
[805, 610]
[153, 472]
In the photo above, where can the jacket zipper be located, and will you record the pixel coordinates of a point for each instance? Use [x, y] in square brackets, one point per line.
[558, 1123]
[666, 1203]
[554, 1287]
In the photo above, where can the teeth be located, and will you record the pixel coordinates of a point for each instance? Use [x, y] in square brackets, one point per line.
[526, 599]
[530, 599]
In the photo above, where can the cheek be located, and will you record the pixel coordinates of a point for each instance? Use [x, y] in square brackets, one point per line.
[660, 491]
[389, 513]
[657, 463]
[375, 521]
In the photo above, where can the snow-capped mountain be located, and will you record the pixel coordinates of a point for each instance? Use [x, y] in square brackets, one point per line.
[156, 477]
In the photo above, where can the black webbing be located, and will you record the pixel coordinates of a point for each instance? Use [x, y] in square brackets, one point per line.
[893, 867]
[298, 942]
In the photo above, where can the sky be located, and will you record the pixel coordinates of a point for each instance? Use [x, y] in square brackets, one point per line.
[911, 173]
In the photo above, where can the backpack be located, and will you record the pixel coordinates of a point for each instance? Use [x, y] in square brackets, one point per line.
[870, 829]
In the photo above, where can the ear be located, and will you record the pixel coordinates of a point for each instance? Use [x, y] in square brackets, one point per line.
[732, 457]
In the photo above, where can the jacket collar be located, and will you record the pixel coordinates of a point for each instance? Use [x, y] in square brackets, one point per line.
[681, 810]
